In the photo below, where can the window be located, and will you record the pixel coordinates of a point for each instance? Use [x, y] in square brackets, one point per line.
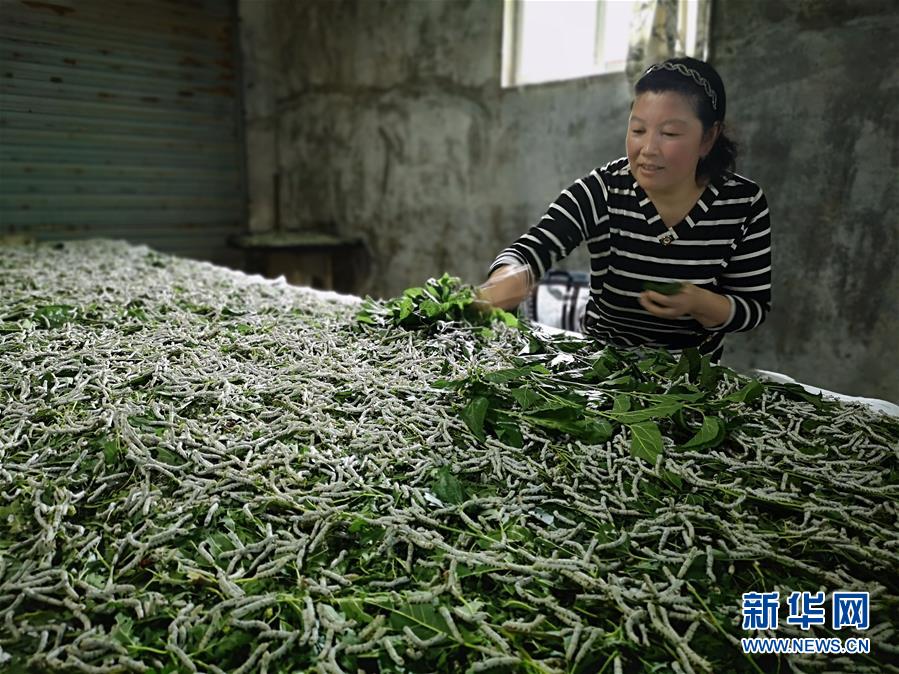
[551, 40]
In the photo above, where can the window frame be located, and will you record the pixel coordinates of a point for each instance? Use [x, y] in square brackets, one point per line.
[688, 18]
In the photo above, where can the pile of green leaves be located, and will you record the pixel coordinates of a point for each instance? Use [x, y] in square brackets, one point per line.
[595, 396]
[438, 302]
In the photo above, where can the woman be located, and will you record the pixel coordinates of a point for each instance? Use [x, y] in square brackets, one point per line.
[671, 211]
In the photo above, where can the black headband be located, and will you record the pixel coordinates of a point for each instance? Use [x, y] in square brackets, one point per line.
[691, 73]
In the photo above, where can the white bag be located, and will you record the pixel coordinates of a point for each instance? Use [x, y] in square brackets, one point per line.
[559, 300]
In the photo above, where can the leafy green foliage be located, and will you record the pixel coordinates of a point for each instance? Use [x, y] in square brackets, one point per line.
[638, 397]
[710, 434]
[474, 413]
[447, 486]
[54, 315]
[646, 441]
[443, 300]
[663, 288]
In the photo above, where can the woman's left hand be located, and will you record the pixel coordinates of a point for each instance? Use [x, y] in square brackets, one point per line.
[710, 309]
[670, 306]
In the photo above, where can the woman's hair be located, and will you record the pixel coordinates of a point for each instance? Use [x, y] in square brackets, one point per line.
[701, 84]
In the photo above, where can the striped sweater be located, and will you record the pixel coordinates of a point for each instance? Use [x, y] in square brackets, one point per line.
[722, 245]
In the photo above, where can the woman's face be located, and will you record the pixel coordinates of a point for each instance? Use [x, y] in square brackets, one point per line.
[664, 142]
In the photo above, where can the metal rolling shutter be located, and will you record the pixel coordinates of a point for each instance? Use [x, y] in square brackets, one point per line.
[122, 119]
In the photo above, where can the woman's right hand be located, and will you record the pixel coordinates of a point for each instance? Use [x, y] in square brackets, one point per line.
[507, 287]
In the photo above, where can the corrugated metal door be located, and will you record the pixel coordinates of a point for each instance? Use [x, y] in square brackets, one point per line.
[121, 118]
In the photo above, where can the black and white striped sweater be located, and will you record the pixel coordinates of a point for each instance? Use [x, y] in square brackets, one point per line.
[722, 245]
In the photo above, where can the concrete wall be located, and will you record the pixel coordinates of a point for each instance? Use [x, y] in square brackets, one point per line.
[814, 90]
[386, 119]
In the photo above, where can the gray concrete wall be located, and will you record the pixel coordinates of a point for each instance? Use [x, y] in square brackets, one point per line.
[386, 118]
[813, 90]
